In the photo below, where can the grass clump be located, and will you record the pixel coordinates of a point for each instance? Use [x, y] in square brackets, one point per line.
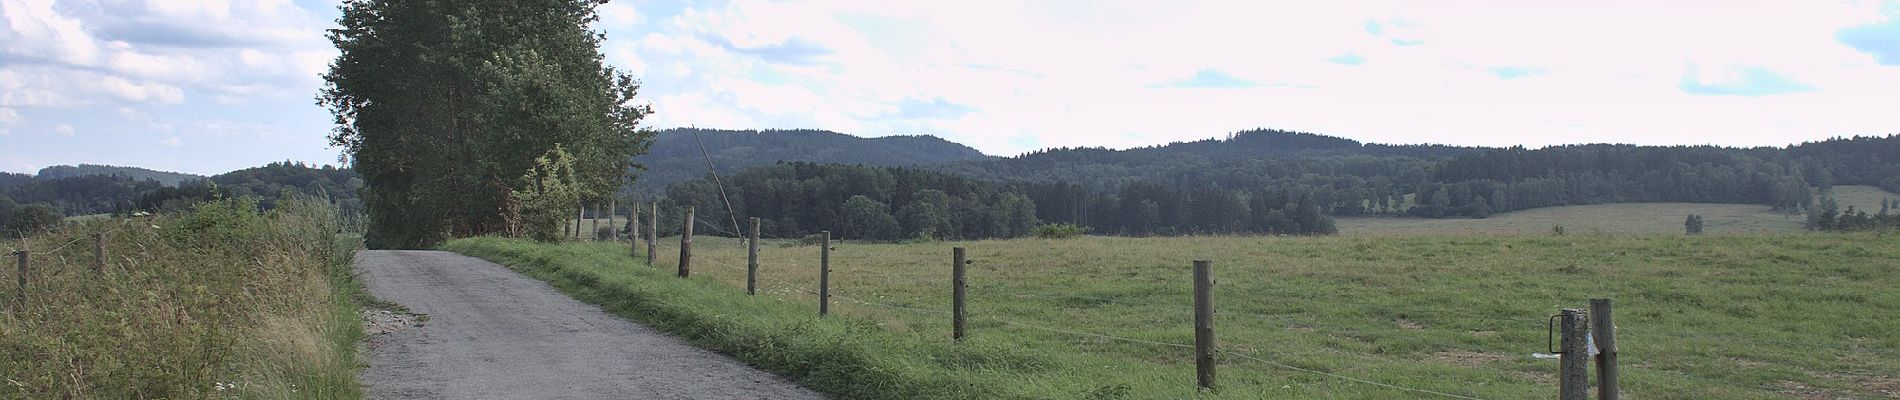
[219, 302]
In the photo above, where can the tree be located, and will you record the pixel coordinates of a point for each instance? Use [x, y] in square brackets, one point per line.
[32, 219]
[928, 215]
[543, 204]
[867, 219]
[443, 108]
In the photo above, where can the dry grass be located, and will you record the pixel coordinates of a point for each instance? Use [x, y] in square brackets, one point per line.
[218, 303]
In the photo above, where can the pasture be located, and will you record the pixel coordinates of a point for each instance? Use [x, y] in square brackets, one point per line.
[1719, 316]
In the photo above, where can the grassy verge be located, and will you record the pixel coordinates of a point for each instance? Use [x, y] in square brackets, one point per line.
[221, 302]
[1733, 317]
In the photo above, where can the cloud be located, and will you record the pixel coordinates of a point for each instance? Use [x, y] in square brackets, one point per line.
[1349, 58]
[1881, 39]
[1212, 79]
[1515, 72]
[794, 50]
[173, 141]
[1740, 81]
[1397, 31]
[9, 118]
[63, 130]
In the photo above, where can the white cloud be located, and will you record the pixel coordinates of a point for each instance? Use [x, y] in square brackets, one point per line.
[173, 141]
[63, 129]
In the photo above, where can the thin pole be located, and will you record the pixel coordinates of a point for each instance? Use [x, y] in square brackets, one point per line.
[1203, 325]
[824, 276]
[633, 229]
[957, 287]
[752, 260]
[686, 245]
[722, 186]
[613, 231]
[1576, 359]
[1603, 328]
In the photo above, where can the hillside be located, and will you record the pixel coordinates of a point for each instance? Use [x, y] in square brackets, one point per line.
[675, 156]
[135, 173]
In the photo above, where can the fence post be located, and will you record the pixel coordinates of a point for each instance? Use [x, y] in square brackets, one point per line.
[824, 275]
[593, 231]
[1203, 325]
[653, 233]
[752, 260]
[957, 285]
[1603, 329]
[686, 245]
[633, 230]
[98, 253]
[613, 231]
[1575, 372]
[580, 213]
[22, 254]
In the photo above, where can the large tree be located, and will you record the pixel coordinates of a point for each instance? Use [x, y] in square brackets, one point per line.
[444, 105]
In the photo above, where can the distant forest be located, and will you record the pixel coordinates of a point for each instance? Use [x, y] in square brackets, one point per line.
[1281, 182]
[1252, 182]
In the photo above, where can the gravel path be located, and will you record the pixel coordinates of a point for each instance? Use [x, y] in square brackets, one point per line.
[493, 334]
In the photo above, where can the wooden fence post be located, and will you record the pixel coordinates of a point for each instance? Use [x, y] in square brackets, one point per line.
[957, 287]
[613, 231]
[1575, 371]
[580, 213]
[752, 260]
[22, 254]
[653, 233]
[686, 245]
[1603, 329]
[824, 275]
[1203, 325]
[633, 230]
[98, 253]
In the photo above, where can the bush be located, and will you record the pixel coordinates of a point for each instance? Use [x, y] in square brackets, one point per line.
[31, 220]
[1060, 231]
[605, 233]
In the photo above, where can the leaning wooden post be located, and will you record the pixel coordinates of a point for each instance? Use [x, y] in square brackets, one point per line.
[752, 260]
[824, 275]
[98, 253]
[653, 233]
[1203, 325]
[686, 245]
[957, 285]
[1575, 372]
[1603, 330]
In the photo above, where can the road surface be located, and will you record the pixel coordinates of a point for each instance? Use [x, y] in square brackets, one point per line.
[493, 334]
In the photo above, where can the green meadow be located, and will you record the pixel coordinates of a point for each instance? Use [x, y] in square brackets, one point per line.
[1718, 316]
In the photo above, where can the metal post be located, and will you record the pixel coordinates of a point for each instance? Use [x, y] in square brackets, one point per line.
[1575, 372]
[752, 260]
[824, 276]
[957, 287]
[686, 245]
[1603, 329]
[1203, 325]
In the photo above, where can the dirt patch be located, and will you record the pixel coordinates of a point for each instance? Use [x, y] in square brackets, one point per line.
[1410, 325]
[380, 322]
[1541, 378]
[1484, 333]
[1802, 391]
[1467, 359]
[1887, 386]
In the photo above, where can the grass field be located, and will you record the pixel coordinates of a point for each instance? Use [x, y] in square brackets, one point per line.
[1719, 316]
[218, 303]
[1637, 218]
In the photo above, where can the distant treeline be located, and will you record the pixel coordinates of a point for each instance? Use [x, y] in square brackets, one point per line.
[111, 191]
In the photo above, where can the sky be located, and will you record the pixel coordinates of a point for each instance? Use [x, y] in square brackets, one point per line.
[209, 86]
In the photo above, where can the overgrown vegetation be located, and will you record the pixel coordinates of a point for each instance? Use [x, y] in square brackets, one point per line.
[219, 302]
[1699, 317]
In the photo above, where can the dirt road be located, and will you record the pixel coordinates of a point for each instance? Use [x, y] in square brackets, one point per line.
[494, 334]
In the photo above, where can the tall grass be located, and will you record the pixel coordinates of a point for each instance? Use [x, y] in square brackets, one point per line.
[219, 302]
[1729, 317]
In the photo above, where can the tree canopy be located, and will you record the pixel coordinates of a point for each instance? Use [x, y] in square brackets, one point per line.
[444, 106]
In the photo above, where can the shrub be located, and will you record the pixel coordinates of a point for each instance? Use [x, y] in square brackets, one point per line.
[1060, 231]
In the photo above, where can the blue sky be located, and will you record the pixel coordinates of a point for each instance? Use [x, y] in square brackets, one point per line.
[211, 86]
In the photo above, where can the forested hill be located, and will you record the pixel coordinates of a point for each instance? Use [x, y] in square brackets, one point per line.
[134, 173]
[85, 194]
[675, 156]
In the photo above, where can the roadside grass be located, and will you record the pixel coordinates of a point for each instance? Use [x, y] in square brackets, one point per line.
[220, 302]
[1733, 317]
